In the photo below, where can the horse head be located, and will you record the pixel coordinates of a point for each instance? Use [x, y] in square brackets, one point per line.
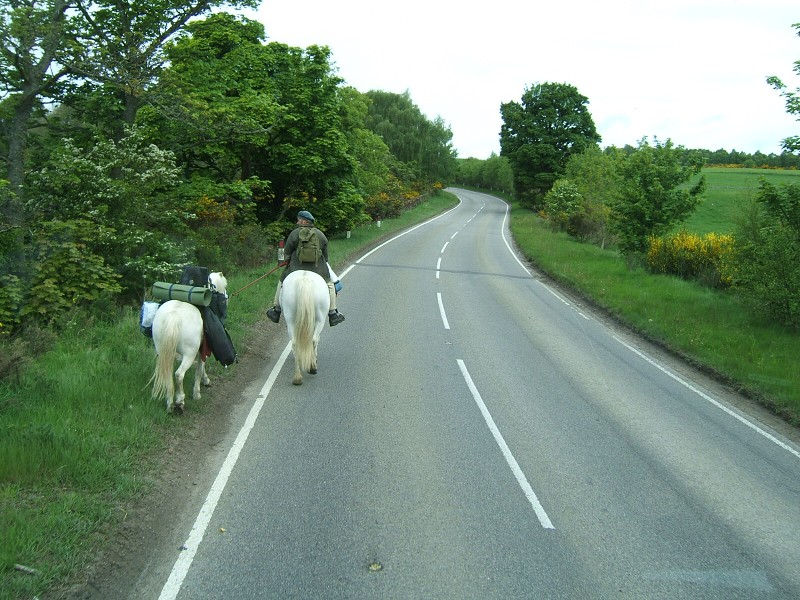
[218, 283]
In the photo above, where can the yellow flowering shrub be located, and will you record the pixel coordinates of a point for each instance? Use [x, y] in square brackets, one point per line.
[209, 211]
[708, 259]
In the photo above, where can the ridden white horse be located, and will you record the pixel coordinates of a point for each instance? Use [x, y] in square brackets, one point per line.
[178, 334]
[305, 301]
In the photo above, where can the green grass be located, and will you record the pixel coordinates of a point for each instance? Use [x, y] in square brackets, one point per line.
[79, 432]
[728, 194]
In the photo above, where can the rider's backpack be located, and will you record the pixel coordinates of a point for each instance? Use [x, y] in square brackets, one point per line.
[308, 250]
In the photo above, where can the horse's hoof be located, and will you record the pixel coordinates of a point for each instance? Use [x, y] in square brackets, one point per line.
[313, 371]
[297, 381]
[179, 409]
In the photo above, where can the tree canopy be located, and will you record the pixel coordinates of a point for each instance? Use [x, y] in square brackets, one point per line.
[539, 134]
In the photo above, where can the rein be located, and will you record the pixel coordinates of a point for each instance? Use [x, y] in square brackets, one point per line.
[257, 280]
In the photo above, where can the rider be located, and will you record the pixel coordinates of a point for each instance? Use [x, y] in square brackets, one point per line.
[306, 219]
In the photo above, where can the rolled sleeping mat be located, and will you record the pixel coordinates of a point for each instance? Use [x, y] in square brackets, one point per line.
[199, 296]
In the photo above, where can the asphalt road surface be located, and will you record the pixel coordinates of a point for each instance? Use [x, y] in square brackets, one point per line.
[474, 433]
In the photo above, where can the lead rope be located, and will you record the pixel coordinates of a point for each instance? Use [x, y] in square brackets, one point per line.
[257, 280]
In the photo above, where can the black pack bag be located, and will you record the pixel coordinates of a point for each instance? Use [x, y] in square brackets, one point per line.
[218, 339]
[219, 306]
[193, 275]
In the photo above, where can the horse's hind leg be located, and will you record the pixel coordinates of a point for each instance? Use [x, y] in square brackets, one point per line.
[313, 368]
[298, 374]
[199, 376]
[180, 396]
[204, 376]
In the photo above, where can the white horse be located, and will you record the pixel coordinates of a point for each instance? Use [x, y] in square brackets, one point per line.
[305, 301]
[178, 334]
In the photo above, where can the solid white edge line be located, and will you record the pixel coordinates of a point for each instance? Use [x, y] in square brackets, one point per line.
[512, 462]
[505, 241]
[441, 310]
[714, 402]
[173, 585]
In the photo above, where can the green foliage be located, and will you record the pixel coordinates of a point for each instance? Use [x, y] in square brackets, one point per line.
[125, 191]
[768, 246]
[11, 302]
[651, 198]
[561, 202]
[539, 134]
[493, 174]
[424, 146]
[791, 143]
[67, 274]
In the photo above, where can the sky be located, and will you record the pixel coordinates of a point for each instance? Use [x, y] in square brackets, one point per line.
[691, 71]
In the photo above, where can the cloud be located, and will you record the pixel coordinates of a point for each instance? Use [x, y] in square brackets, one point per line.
[691, 72]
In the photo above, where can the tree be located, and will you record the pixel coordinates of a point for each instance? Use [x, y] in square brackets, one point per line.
[234, 108]
[594, 174]
[538, 136]
[767, 247]
[651, 194]
[791, 143]
[423, 145]
[36, 52]
[125, 46]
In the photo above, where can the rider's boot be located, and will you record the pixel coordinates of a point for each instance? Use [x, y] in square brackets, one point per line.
[334, 316]
[274, 314]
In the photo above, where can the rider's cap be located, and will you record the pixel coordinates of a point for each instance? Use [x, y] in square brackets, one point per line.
[304, 214]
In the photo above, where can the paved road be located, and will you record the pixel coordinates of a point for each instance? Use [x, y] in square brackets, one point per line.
[474, 433]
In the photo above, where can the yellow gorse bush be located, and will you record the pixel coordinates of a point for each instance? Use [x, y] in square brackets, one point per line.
[708, 259]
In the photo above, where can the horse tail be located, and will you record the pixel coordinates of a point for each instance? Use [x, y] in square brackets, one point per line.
[304, 320]
[163, 383]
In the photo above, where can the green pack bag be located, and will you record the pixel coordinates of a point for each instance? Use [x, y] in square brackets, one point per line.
[308, 250]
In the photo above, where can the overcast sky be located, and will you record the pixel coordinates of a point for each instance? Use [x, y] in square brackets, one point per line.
[693, 71]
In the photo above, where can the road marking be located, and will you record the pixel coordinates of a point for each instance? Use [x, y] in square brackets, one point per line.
[438, 266]
[441, 310]
[173, 585]
[443, 247]
[512, 462]
[708, 398]
[399, 235]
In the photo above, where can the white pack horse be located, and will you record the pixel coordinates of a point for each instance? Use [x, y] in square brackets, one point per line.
[177, 335]
[305, 301]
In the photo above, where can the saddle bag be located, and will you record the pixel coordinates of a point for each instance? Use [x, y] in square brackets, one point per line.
[217, 337]
[195, 276]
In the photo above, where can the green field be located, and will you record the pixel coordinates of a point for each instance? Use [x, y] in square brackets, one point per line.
[728, 193]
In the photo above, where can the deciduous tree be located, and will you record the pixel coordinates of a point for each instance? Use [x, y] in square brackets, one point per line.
[539, 134]
[791, 143]
[651, 194]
